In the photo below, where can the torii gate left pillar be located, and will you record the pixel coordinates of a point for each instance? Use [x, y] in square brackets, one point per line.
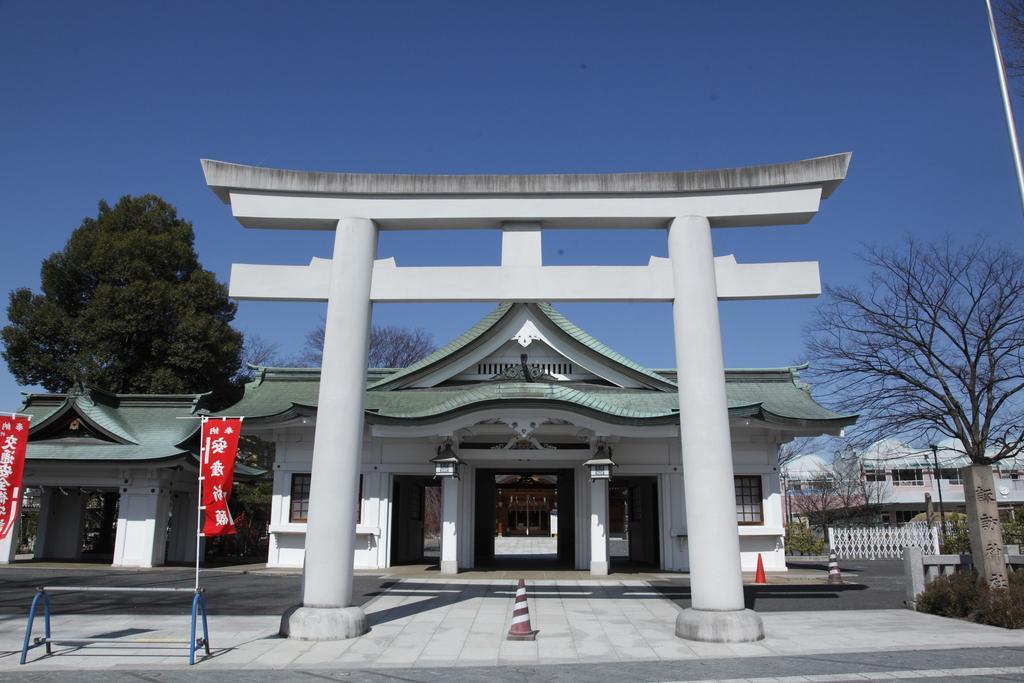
[688, 205]
[327, 611]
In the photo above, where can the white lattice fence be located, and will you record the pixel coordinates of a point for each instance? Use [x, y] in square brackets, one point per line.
[875, 543]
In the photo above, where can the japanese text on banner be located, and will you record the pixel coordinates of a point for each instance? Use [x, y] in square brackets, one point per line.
[13, 443]
[220, 444]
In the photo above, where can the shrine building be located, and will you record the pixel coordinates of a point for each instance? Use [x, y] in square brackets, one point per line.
[524, 399]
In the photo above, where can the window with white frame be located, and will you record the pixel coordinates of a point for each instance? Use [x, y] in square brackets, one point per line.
[298, 509]
[951, 474]
[907, 477]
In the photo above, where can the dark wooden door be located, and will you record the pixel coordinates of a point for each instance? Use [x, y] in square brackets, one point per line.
[407, 512]
[566, 518]
[643, 520]
[486, 517]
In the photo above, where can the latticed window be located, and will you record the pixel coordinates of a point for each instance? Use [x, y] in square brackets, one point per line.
[299, 510]
[749, 501]
[300, 498]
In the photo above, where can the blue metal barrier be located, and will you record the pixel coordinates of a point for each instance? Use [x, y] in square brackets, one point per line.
[42, 594]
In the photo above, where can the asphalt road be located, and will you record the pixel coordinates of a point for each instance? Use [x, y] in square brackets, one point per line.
[860, 666]
[228, 591]
[869, 584]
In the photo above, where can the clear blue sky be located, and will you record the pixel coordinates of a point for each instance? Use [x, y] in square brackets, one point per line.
[105, 99]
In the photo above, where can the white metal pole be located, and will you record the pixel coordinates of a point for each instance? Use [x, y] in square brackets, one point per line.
[203, 451]
[1007, 107]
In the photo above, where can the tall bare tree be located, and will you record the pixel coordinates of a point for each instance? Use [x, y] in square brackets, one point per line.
[257, 350]
[930, 346]
[803, 445]
[836, 491]
[390, 346]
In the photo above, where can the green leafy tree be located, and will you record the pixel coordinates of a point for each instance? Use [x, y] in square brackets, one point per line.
[125, 307]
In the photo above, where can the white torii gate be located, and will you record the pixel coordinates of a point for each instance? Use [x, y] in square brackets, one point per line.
[687, 204]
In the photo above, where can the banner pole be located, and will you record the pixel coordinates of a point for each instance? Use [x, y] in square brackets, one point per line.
[199, 501]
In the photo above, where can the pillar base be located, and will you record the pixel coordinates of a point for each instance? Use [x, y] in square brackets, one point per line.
[324, 623]
[449, 567]
[708, 626]
[599, 569]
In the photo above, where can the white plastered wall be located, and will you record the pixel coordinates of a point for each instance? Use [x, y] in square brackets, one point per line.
[754, 453]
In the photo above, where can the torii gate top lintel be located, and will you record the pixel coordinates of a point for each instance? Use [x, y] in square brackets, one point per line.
[777, 194]
[826, 171]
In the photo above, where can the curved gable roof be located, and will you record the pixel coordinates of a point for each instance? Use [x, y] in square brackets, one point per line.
[489, 325]
[772, 395]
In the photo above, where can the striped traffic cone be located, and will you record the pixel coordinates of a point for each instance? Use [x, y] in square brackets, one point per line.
[759, 577]
[521, 629]
[834, 575]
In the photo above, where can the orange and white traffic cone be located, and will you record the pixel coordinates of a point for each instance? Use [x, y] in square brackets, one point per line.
[521, 629]
[759, 577]
[834, 575]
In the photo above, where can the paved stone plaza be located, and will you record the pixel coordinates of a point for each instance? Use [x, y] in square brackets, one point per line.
[431, 623]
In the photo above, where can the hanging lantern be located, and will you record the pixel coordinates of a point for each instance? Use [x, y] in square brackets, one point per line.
[446, 464]
[601, 464]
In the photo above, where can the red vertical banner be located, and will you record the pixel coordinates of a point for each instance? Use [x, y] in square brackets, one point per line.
[13, 442]
[219, 446]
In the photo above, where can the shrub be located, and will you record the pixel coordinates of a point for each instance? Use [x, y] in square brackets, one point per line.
[1013, 531]
[965, 596]
[956, 540]
[1003, 607]
[800, 540]
[956, 595]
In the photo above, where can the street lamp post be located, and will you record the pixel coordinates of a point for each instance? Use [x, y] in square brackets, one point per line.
[938, 485]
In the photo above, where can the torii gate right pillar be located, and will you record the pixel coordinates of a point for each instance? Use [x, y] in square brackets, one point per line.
[716, 581]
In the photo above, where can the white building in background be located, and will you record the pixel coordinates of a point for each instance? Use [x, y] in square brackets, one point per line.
[895, 478]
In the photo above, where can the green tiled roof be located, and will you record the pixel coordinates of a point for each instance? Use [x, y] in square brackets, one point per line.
[129, 428]
[772, 395]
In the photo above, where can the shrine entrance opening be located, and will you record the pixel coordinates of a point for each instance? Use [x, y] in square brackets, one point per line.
[633, 521]
[416, 520]
[519, 518]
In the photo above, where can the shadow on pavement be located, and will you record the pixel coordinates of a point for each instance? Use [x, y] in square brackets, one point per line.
[227, 592]
[435, 595]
